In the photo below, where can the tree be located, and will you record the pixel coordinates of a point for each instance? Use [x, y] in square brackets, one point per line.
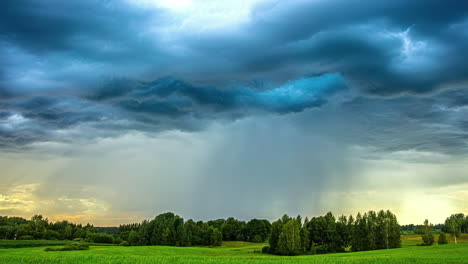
[134, 239]
[38, 225]
[180, 232]
[276, 229]
[360, 234]
[216, 223]
[442, 239]
[163, 230]
[145, 232]
[453, 225]
[193, 233]
[305, 237]
[257, 230]
[343, 233]
[394, 237]
[427, 236]
[68, 232]
[231, 229]
[216, 238]
[382, 230]
[375, 231]
[376, 228]
[289, 242]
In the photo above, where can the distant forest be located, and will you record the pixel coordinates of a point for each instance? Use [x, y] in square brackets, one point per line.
[286, 236]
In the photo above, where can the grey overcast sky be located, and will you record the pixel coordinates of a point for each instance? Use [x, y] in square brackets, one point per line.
[114, 111]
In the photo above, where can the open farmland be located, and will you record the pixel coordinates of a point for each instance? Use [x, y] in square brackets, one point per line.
[236, 252]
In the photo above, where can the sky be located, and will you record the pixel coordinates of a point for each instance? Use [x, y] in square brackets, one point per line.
[113, 111]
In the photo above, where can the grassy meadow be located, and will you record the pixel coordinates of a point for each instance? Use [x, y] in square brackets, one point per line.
[231, 252]
[5, 244]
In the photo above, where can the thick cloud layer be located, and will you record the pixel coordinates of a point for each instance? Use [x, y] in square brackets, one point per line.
[384, 48]
[160, 105]
[66, 64]
[303, 103]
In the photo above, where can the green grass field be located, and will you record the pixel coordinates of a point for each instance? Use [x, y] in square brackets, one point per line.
[38, 243]
[235, 252]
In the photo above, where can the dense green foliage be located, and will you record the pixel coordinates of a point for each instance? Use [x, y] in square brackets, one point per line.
[70, 247]
[287, 236]
[289, 241]
[455, 225]
[442, 239]
[427, 236]
[233, 253]
[326, 234]
[32, 243]
[171, 230]
[41, 228]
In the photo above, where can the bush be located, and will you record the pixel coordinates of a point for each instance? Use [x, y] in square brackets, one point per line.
[442, 239]
[71, 247]
[266, 250]
[322, 249]
[76, 246]
[124, 244]
[78, 239]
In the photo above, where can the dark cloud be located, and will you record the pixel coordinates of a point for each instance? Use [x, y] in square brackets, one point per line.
[84, 26]
[384, 48]
[167, 103]
[90, 63]
[169, 96]
[68, 46]
[386, 125]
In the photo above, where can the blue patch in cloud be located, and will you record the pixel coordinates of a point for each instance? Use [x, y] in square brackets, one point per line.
[298, 95]
[175, 98]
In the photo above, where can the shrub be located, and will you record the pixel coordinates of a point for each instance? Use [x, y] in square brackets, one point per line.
[71, 247]
[78, 239]
[76, 246]
[442, 239]
[124, 244]
[26, 238]
[266, 249]
[322, 249]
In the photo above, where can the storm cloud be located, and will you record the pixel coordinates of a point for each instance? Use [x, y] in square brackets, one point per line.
[329, 93]
[105, 61]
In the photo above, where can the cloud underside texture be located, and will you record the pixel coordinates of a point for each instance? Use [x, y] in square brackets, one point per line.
[101, 70]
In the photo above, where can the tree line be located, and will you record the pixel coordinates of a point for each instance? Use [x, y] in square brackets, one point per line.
[171, 230]
[327, 234]
[38, 227]
[286, 236]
